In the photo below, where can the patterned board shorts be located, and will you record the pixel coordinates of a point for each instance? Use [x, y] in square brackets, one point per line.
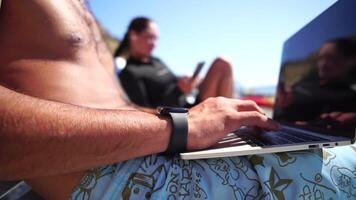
[318, 174]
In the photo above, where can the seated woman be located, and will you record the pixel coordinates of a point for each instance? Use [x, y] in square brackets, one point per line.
[149, 82]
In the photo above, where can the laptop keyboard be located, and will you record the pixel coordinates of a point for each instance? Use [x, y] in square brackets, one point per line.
[290, 137]
[301, 137]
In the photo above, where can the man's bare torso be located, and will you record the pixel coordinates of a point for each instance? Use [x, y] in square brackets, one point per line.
[52, 50]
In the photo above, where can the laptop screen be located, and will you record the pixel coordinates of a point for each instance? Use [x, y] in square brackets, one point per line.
[316, 89]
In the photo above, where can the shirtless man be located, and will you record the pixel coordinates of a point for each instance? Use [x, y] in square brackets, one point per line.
[62, 110]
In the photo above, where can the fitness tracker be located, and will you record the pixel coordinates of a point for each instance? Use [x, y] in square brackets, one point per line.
[179, 136]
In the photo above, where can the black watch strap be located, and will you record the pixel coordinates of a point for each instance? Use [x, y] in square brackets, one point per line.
[179, 136]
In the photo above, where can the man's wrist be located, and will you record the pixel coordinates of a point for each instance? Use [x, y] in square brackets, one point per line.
[179, 134]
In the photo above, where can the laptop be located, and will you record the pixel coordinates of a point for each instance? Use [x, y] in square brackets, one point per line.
[315, 100]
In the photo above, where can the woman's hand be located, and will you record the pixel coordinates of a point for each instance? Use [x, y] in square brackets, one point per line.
[187, 84]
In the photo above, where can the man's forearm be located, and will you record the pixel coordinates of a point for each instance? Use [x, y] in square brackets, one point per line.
[141, 108]
[39, 138]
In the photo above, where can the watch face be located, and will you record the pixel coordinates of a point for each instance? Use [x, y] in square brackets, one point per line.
[165, 110]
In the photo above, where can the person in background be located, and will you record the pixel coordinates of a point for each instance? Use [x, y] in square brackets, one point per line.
[150, 83]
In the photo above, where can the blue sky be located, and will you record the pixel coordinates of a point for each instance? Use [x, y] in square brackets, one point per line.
[250, 32]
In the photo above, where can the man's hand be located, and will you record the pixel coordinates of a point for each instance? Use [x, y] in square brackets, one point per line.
[214, 118]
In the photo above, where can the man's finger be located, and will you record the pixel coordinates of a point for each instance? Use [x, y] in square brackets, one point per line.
[254, 118]
[248, 105]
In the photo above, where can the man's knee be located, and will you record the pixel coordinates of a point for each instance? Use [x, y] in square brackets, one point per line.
[223, 65]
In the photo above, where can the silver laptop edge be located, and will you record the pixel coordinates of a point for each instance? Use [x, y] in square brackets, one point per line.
[250, 150]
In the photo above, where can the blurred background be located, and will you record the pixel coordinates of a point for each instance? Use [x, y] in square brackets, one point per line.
[250, 33]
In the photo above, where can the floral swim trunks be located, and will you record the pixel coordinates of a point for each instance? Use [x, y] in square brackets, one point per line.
[318, 174]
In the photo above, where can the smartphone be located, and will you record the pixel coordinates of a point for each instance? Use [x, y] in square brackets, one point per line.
[198, 69]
